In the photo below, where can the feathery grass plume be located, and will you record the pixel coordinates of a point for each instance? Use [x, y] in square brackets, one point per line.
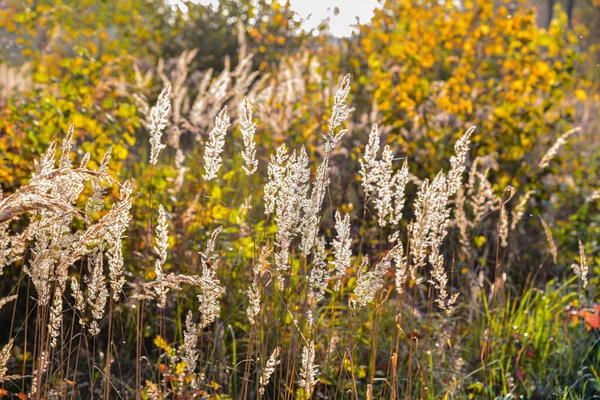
[265, 376]
[319, 274]
[457, 161]
[190, 351]
[378, 177]
[158, 120]
[42, 266]
[141, 104]
[45, 165]
[400, 181]
[79, 298]
[550, 240]
[11, 247]
[213, 93]
[432, 217]
[114, 236]
[214, 147]
[503, 233]
[519, 210]
[484, 201]
[162, 243]
[38, 373]
[105, 160]
[472, 177]
[309, 370]
[51, 197]
[583, 266]
[178, 96]
[211, 245]
[342, 248]
[41, 271]
[95, 235]
[419, 229]
[41, 193]
[56, 317]
[211, 290]
[254, 290]
[248, 131]
[290, 201]
[4, 357]
[282, 259]
[339, 114]
[85, 160]
[95, 203]
[4, 301]
[295, 188]
[71, 188]
[560, 142]
[276, 175]
[97, 293]
[51, 194]
[181, 170]
[310, 321]
[200, 102]
[312, 218]
[67, 145]
[385, 187]
[368, 283]
[400, 262]
[438, 220]
[368, 163]
[461, 222]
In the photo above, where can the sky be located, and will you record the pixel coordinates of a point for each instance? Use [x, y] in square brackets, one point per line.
[340, 25]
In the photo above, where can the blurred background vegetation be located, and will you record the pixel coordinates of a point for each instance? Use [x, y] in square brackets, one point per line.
[523, 72]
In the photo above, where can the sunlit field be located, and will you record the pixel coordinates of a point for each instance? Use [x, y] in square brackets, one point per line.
[216, 202]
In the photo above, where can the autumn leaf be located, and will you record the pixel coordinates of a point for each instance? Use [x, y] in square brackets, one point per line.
[162, 344]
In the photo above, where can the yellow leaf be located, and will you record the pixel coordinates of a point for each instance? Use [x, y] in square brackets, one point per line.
[162, 344]
[41, 77]
[541, 68]
[179, 368]
[213, 385]
[219, 211]
[479, 240]
[580, 94]
[216, 192]
[228, 175]
[362, 371]
[396, 50]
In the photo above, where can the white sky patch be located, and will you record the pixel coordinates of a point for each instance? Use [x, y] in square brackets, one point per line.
[315, 11]
[341, 24]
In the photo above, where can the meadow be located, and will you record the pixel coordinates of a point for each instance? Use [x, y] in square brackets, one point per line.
[210, 202]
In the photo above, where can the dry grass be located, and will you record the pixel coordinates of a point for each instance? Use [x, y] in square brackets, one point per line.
[321, 315]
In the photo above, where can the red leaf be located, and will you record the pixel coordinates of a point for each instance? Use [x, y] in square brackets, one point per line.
[593, 321]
